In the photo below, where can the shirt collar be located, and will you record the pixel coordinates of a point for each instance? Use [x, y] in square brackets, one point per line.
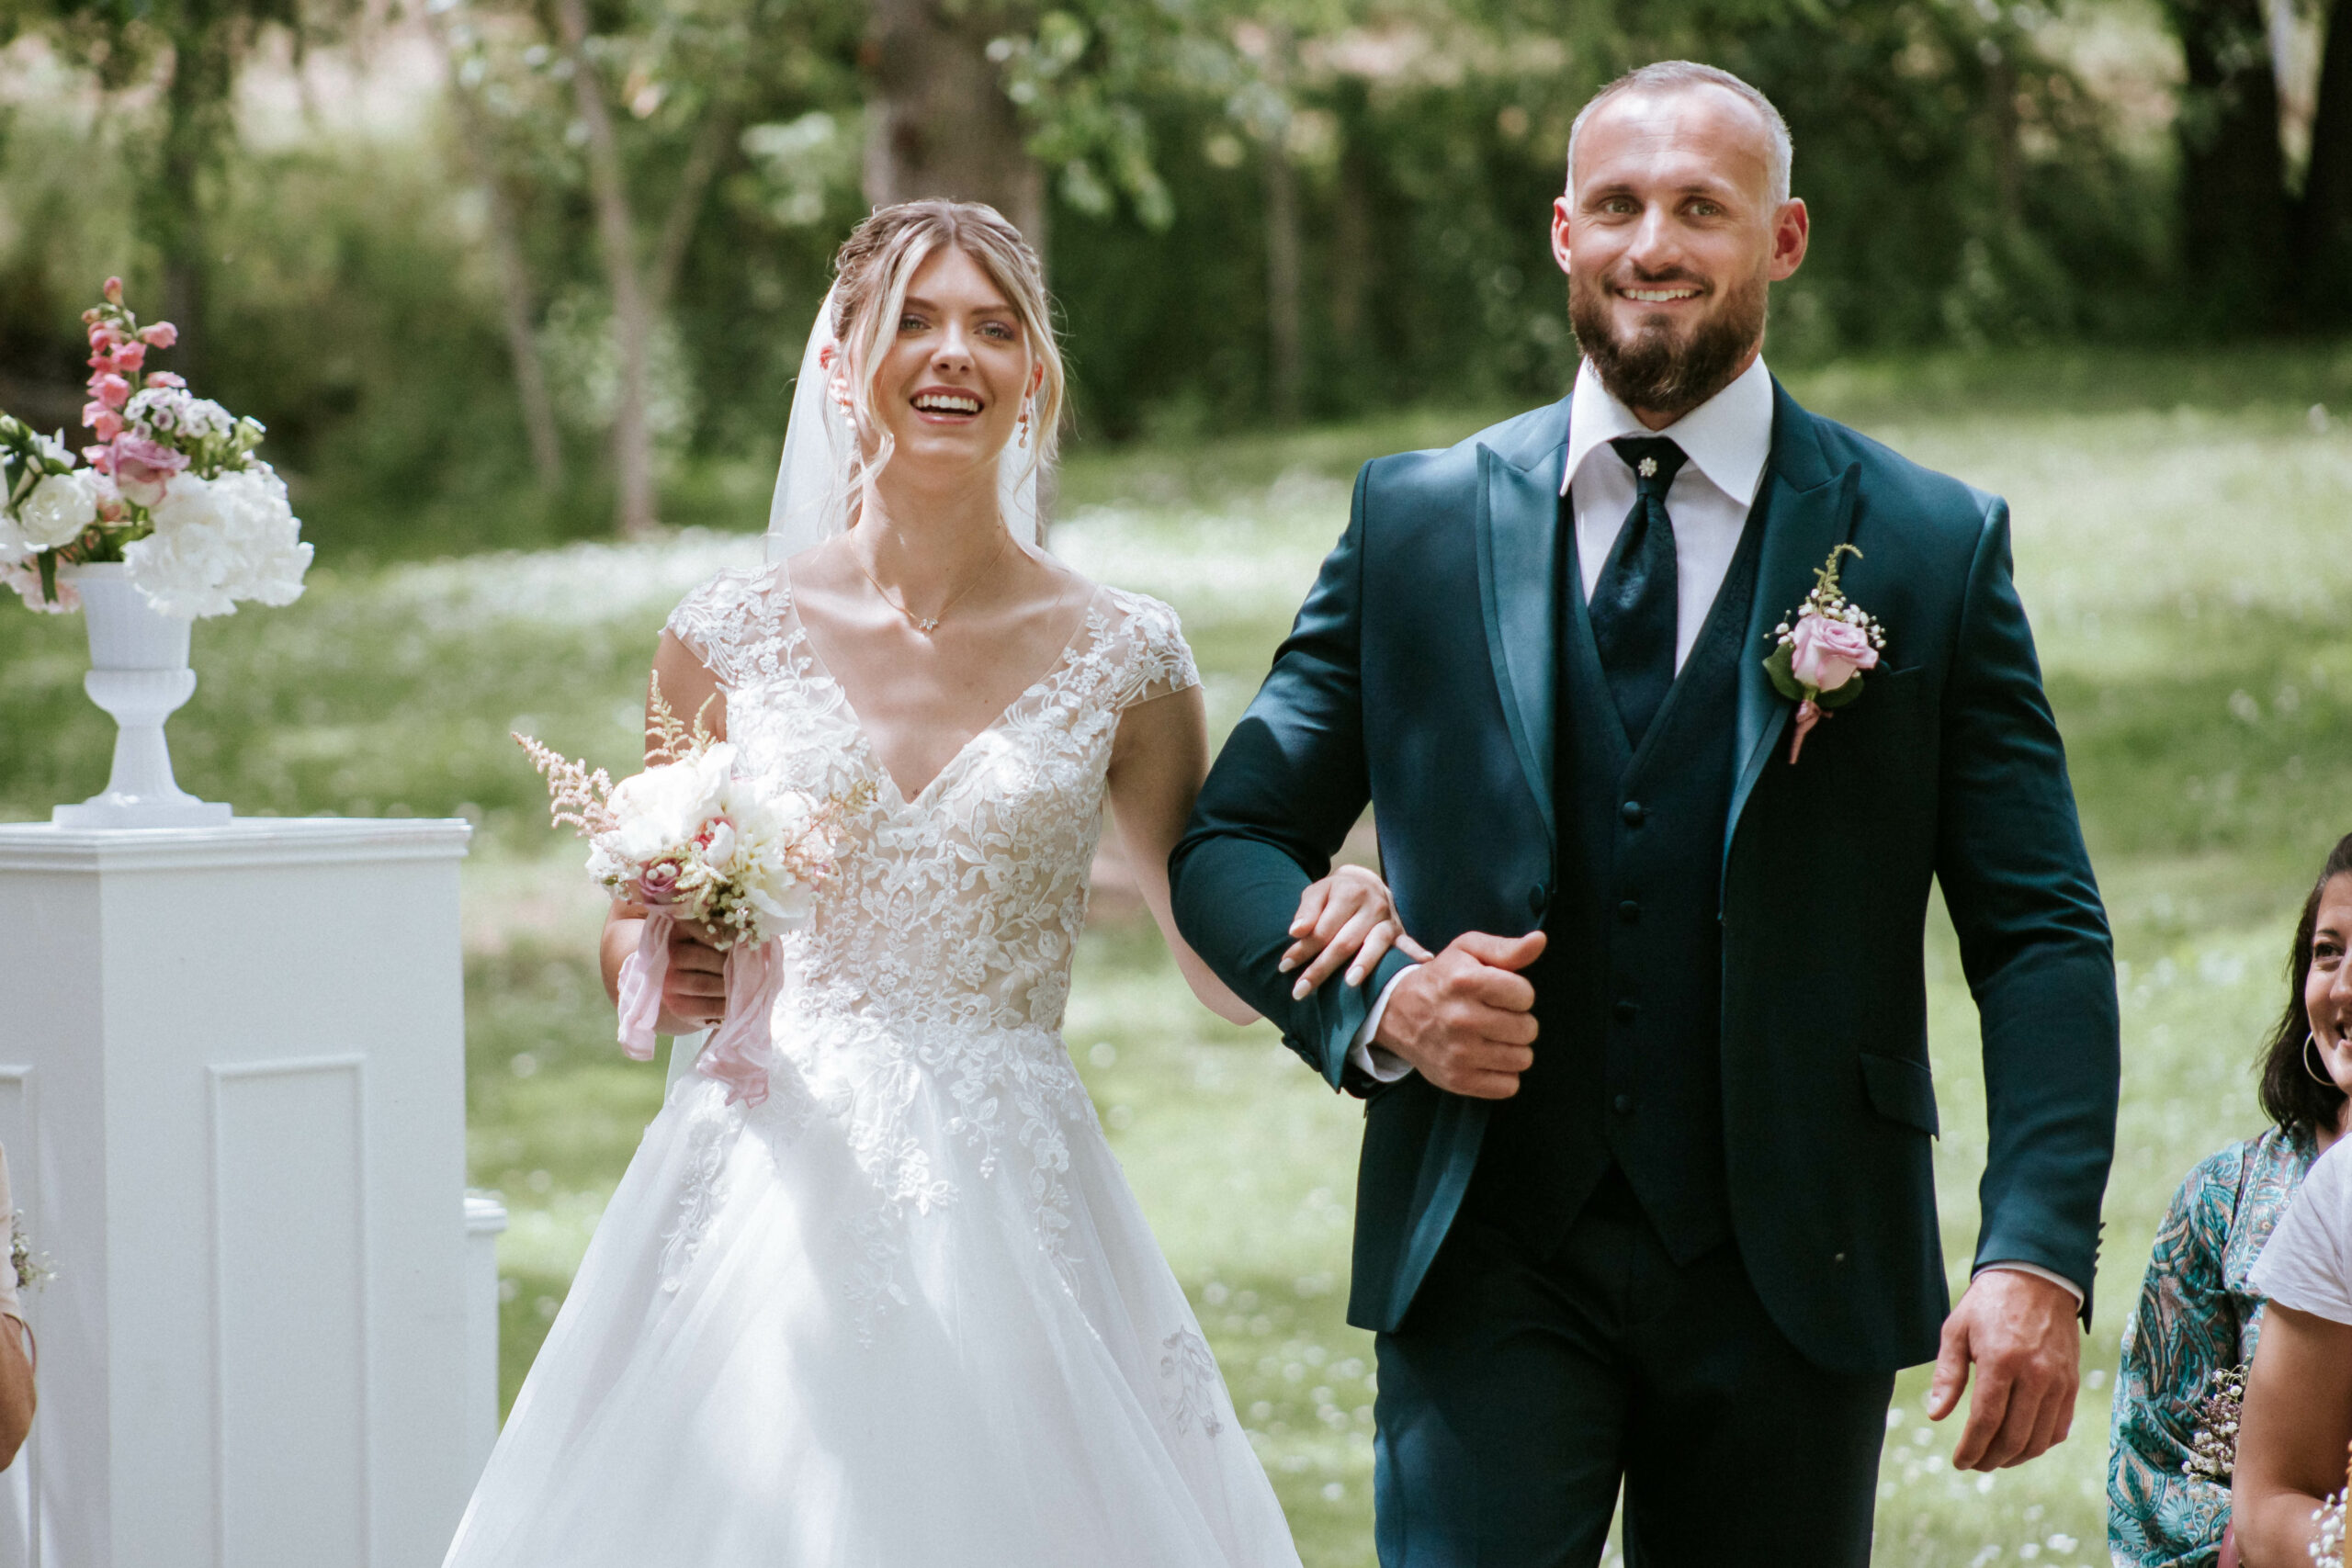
[1729, 437]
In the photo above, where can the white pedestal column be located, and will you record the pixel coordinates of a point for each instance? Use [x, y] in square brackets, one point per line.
[232, 1093]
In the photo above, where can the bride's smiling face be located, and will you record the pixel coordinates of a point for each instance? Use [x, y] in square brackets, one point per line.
[955, 369]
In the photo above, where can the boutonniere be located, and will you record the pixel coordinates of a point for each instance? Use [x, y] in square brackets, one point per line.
[1818, 662]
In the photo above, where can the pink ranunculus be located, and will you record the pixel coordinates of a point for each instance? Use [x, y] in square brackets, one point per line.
[160, 334]
[110, 389]
[142, 468]
[1827, 653]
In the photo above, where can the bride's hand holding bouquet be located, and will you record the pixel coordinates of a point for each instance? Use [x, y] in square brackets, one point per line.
[722, 868]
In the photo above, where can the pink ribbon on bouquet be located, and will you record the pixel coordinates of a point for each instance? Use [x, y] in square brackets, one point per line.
[737, 1052]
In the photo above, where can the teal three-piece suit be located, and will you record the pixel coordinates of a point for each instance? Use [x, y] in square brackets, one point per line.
[1690, 1254]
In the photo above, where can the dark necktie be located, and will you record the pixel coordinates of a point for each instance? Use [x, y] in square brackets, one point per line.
[1633, 603]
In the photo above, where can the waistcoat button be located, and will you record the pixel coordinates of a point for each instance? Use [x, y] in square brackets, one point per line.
[1629, 911]
[1626, 1012]
[1633, 812]
[1624, 1104]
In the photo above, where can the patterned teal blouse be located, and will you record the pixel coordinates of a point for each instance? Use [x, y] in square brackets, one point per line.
[2196, 1314]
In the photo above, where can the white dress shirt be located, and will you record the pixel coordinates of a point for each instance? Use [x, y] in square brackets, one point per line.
[1727, 441]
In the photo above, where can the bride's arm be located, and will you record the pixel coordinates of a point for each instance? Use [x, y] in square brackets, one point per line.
[694, 994]
[1157, 761]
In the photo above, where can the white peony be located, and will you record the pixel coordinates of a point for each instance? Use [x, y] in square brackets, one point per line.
[662, 808]
[216, 541]
[57, 510]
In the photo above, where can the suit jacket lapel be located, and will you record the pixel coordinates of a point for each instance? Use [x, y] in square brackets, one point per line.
[1518, 543]
[1808, 512]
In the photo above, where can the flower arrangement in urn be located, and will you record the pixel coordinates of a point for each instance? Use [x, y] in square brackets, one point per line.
[171, 490]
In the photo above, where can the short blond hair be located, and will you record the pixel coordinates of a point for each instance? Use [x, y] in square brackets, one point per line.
[872, 273]
[1666, 75]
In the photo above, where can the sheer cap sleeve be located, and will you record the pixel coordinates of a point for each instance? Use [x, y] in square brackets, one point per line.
[1148, 643]
[2308, 1263]
[722, 621]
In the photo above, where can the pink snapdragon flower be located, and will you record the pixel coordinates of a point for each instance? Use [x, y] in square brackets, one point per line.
[165, 379]
[109, 389]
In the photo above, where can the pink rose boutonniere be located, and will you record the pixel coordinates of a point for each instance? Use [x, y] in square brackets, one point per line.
[1818, 660]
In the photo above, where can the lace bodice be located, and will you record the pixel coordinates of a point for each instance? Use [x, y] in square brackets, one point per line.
[962, 906]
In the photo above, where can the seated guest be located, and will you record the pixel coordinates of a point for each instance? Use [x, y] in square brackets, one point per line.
[2169, 1496]
[15, 1339]
[2298, 1418]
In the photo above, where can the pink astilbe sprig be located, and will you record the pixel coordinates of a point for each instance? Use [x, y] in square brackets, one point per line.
[576, 797]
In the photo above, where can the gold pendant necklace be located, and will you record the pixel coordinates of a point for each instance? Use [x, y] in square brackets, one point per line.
[929, 623]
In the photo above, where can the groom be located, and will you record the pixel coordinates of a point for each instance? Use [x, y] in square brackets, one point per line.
[1646, 1193]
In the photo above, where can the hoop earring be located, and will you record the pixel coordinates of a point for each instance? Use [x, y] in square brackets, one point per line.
[2310, 1040]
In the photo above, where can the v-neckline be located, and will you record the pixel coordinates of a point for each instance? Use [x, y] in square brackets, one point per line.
[857, 725]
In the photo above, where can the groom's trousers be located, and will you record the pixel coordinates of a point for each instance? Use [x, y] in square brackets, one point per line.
[1521, 1390]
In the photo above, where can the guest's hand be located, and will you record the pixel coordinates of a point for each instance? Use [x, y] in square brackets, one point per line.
[2021, 1331]
[1346, 915]
[1465, 1020]
[695, 991]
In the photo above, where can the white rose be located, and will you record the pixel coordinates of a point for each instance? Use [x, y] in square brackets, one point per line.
[57, 510]
[662, 808]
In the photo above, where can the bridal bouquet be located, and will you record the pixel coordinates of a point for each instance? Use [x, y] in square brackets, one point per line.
[172, 488]
[695, 841]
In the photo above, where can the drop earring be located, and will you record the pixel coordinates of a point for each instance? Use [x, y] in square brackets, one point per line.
[1024, 424]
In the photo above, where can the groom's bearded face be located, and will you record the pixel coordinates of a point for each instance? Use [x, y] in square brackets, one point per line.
[1658, 363]
[1671, 240]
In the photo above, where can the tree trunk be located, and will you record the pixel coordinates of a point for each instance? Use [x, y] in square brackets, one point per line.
[616, 236]
[2233, 205]
[711, 137]
[1282, 353]
[195, 108]
[2324, 249]
[516, 310]
[939, 124]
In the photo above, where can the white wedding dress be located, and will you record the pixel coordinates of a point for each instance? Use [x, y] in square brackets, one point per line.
[906, 1312]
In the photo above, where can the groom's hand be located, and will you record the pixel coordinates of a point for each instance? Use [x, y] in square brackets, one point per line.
[1464, 1020]
[2021, 1331]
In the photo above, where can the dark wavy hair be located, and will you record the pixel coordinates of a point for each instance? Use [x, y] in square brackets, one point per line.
[2291, 1096]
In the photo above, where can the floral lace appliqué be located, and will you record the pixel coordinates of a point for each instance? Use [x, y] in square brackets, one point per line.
[1190, 1369]
[929, 988]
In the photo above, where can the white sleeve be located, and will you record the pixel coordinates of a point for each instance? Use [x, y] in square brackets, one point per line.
[2038, 1271]
[1382, 1065]
[2307, 1264]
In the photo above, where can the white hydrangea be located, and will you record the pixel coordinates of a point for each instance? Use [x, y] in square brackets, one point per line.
[216, 541]
[59, 508]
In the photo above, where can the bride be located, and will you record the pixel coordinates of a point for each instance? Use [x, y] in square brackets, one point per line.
[904, 1312]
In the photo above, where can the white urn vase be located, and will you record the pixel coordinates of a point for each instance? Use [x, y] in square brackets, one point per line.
[139, 674]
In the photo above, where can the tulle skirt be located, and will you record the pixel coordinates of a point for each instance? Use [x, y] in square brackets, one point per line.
[905, 1314]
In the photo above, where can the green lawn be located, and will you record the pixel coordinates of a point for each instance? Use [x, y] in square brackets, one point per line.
[2183, 548]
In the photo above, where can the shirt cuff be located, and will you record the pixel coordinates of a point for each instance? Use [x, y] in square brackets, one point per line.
[2038, 1273]
[1379, 1065]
